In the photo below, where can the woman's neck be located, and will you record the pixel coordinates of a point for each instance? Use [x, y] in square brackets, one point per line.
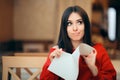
[75, 44]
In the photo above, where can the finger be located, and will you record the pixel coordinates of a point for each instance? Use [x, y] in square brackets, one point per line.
[84, 57]
[52, 55]
[56, 47]
[94, 52]
[59, 52]
[56, 53]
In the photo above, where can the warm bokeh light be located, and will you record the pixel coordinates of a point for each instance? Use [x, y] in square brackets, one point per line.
[112, 24]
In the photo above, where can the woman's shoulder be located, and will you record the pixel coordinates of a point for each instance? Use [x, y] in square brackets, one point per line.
[99, 45]
[101, 50]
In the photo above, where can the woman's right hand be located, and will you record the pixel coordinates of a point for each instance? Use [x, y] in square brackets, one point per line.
[56, 53]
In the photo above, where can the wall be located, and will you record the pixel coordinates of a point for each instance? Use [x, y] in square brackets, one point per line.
[6, 20]
[34, 19]
[40, 19]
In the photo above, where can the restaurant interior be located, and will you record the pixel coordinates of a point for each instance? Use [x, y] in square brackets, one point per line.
[32, 27]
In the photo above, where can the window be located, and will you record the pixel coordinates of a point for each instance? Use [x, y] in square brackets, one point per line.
[112, 24]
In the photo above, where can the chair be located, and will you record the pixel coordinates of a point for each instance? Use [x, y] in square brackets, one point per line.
[9, 62]
[31, 54]
[18, 70]
[116, 64]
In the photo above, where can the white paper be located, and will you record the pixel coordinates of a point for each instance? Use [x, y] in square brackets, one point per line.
[67, 66]
[85, 49]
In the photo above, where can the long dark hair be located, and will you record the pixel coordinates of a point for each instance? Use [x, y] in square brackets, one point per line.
[64, 41]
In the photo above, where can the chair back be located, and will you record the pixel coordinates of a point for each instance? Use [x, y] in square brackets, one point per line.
[31, 54]
[10, 62]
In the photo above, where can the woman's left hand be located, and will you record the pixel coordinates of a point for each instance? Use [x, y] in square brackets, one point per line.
[91, 58]
[90, 61]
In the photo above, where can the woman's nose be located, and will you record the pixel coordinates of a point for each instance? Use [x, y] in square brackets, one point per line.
[75, 28]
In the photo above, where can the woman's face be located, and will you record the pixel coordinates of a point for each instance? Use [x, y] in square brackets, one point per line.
[75, 27]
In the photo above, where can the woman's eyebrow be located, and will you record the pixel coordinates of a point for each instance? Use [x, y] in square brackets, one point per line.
[68, 20]
[79, 19]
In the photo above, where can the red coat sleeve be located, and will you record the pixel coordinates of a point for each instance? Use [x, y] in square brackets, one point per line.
[106, 70]
[46, 74]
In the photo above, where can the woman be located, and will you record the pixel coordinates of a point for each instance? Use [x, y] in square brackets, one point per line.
[75, 28]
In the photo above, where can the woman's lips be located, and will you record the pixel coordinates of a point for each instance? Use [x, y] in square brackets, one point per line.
[76, 34]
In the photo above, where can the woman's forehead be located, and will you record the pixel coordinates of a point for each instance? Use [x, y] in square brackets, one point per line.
[74, 16]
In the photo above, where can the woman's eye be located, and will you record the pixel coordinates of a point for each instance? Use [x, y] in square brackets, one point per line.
[80, 22]
[69, 24]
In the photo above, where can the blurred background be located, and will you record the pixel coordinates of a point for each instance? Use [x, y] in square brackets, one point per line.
[33, 25]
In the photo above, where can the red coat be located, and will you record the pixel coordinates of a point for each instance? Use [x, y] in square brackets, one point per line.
[106, 70]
